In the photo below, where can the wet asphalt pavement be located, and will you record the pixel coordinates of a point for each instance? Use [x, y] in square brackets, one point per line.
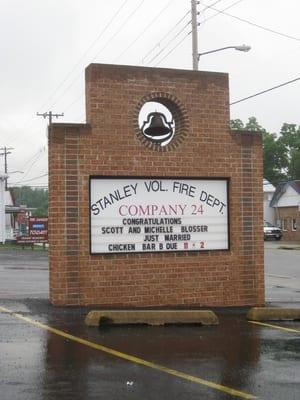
[23, 274]
[39, 363]
[282, 272]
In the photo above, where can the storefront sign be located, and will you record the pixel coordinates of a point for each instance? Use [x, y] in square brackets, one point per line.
[150, 215]
[37, 231]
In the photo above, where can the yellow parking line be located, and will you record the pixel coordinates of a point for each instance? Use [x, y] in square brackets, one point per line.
[282, 328]
[133, 359]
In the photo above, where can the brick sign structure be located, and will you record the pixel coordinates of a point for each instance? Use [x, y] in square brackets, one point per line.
[154, 201]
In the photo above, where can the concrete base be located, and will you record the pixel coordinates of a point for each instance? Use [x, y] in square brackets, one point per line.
[273, 314]
[151, 317]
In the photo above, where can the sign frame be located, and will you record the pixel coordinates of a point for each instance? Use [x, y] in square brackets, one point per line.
[153, 178]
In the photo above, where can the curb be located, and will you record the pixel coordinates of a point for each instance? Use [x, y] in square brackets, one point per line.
[151, 317]
[273, 314]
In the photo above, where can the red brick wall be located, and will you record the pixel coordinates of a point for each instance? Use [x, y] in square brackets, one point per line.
[108, 145]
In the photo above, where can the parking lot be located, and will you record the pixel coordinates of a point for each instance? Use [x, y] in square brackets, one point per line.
[48, 353]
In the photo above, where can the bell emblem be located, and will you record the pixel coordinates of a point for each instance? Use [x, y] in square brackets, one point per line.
[157, 128]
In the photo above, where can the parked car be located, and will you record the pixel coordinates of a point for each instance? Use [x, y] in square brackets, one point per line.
[271, 231]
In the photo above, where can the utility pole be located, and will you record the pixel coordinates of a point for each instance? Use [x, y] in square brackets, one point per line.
[49, 115]
[5, 154]
[2, 208]
[194, 33]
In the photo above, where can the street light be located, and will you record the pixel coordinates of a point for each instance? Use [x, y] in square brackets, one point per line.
[243, 47]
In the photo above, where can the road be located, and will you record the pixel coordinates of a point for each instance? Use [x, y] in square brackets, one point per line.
[24, 276]
[282, 273]
[48, 353]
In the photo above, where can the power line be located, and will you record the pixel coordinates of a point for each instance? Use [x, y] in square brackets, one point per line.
[86, 52]
[39, 155]
[144, 30]
[254, 24]
[175, 47]
[75, 101]
[219, 12]
[106, 44]
[165, 36]
[29, 120]
[169, 42]
[137, 38]
[29, 180]
[264, 91]
[34, 155]
[121, 27]
[127, 48]
[211, 5]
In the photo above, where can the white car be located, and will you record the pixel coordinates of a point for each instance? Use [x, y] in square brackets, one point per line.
[271, 231]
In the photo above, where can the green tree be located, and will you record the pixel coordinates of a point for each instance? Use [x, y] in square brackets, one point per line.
[290, 139]
[276, 160]
[237, 124]
[251, 125]
[294, 165]
[36, 198]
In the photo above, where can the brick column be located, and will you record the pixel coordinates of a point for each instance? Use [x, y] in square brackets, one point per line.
[251, 278]
[64, 207]
[72, 216]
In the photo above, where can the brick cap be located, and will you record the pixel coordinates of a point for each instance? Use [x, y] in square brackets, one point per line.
[151, 317]
[246, 132]
[152, 71]
[70, 125]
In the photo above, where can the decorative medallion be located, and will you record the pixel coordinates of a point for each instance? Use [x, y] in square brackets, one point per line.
[161, 122]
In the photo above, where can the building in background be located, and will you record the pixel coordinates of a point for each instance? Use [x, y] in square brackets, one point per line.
[9, 217]
[286, 205]
[269, 212]
[12, 217]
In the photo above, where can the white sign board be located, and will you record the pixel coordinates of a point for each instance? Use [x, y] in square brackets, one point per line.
[130, 215]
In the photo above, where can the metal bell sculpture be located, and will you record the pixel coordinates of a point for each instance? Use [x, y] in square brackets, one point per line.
[157, 129]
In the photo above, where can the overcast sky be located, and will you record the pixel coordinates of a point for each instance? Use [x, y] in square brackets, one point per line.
[45, 46]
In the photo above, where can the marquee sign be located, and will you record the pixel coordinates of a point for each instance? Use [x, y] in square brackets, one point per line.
[130, 215]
